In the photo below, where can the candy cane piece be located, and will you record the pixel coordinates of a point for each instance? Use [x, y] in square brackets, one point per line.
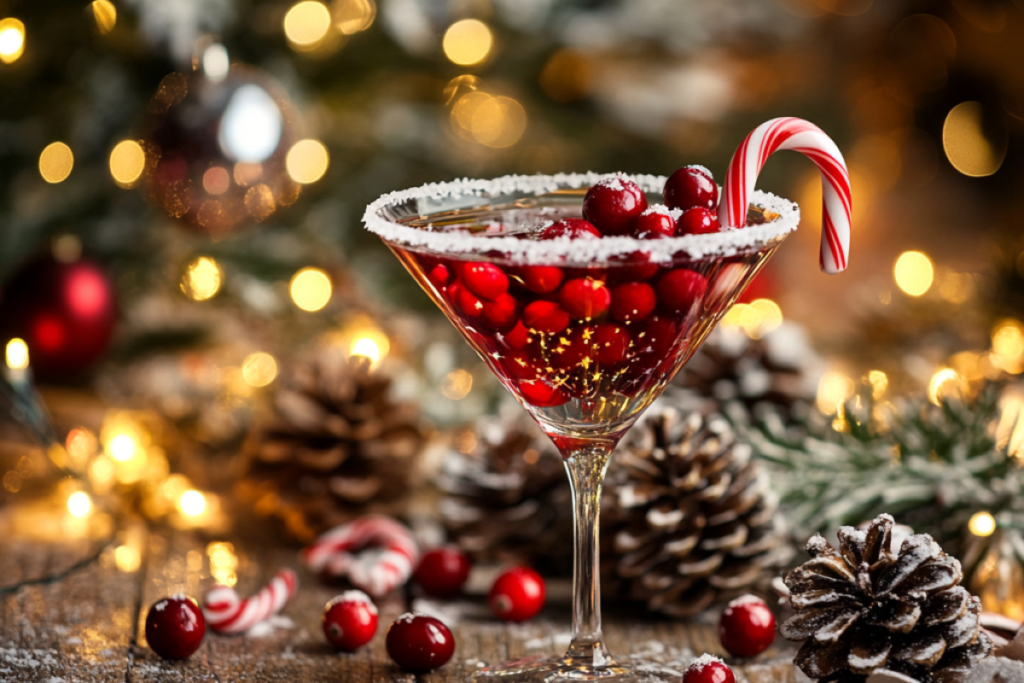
[225, 612]
[804, 137]
[375, 553]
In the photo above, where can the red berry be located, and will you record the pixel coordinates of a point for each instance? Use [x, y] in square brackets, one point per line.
[573, 228]
[638, 267]
[632, 301]
[689, 187]
[613, 203]
[697, 221]
[708, 669]
[540, 393]
[443, 571]
[175, 627]
[651, 224]
[485, 280]
[464, 301]
[417, 642]
[545, 316]
[585, 298]
[502, 314]
[747, 627]
[570, 352]
[679, 289]
[350, 620]
[541, 279]
[438, 275]
[521, 365]
[657, 339]
[518, 337]
[610, 343]
[517, 595]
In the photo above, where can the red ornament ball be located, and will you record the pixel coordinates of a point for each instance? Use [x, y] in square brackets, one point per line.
[65, 312]
[612, 205]
[417, 642]
[175, 627]
[689, 187]
[517, 595]
[443, 571]
[747, 627]
[708, 669]
[350, 620]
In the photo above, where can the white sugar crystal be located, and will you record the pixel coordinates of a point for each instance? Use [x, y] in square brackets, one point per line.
[744, 600]
[817, 544]
[612, 182]
[702, 169]
[354, 596]
[661, 208]
[705, 660]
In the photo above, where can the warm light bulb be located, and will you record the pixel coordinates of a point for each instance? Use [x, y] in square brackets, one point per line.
[192, 503]
[122, 447]
[17, 354]
[310, 289]
[467, 42]
[202, 279]
[306, 24]
[56, 162]
[982, 524]
[127, 161]
[307, 161]
[12, 40]
[259, 369]
[79, 504]
[914, 273]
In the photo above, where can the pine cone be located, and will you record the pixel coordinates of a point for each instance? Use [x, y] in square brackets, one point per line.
[508, 499]
[868, 609]
[688, 518]
[338, 447]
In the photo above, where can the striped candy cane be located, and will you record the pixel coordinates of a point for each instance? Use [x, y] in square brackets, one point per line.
[806, 138]
[375, 553]
[225, 612]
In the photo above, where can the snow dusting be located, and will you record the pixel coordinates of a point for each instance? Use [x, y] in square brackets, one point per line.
[705, 660]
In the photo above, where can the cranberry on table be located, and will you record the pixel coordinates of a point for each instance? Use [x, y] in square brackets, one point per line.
[585, 298]
[679, 289]
[708, 669]
[175, 627]
[613, 203]
[697, 221]
[443, 571]
[573, 228]
[517, 594]
[418, 643]
[747, 627]
[350, 620]
[689, 187]
[652, 224]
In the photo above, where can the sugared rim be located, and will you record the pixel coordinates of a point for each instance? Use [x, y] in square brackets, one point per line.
[725, 243]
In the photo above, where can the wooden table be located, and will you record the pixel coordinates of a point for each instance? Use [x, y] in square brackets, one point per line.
[89, 627]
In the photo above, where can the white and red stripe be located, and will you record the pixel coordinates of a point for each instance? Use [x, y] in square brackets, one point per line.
[375, 553]
[804, 137]
[225, 612]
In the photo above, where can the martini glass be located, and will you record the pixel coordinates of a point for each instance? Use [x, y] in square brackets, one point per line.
[585, 334]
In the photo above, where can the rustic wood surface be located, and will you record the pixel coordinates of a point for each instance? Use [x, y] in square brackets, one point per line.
[90, 626]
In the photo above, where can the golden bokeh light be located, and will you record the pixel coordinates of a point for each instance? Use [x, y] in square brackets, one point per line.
[216, 180]
[105, 14]
[16, 354]
[223, 563]
[56, 162]
[12, 40]
[879, 382]
[191, 503]
[127, 559]
[1008, 346]
[914, 273]
[372, 344]
[760, 317]
[971, 147]
[127, 162]
[202, 279]
[945, 383]
[307, 161]
[102, 473]
[259, 369]
[1010, 429]
[467, 42]
[122, 447]
[353, 16]
[306, 25]
[311, 289]
[457, 384]
[834, 388]
[731, 319]
[496, 122]
[982, 524]
[79, 504]
[566, 77]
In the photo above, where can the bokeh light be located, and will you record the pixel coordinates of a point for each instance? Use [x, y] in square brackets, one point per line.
[945, 383]
[879, 382]
[12, 40]
[1008, 346]
[202, 279]
[468, 42]
[216, 180]
[16, 354]
[127, 161]
[105, 14]
[56, 162]
[457, 384]
[127, 559]
[259, 369]
[307, 24]
[192, 503]
[353, 16]
[834, 388]
[973, 147]
[982, 524]
[216, 63]
[223, 563]
[79, 504]
[914, 273]
[566, 77]
[496, 122]
[760, 317]
[311, 289]
[307, 161]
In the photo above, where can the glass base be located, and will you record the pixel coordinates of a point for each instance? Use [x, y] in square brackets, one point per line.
[572, 670]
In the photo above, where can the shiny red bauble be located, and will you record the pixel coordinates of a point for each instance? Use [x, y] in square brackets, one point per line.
[573, 228]
[708, 669]
[747, 627]
[517, 594]
[65, 312]
[175, 627]
[417, 642]
[443, 571]
[350, 621]
[697, 221]
[613, 203]
[689, 187]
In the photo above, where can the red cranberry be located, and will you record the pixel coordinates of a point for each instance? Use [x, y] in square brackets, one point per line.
[584, 298]
[632, 301]
[485, 280]
[708, 669]
[679, 289]
[521, 365]
[545, 316]
[350, 620]
[517, 595]
[542, 394]
[541, 279]
[464, 301]
[639, 267]
[613, 203]
[518, 337]
[417, 642]
[651, 224]
[657, 339]
[747, 627]
[573, 228]
[175, 627]
[610, 343]
[570, 352]
[438, 276]
[689, 187]
[697, 221]
[502, 314]
[443, 571]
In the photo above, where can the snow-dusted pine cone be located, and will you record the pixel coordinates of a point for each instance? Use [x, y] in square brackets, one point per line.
[868, 608]
[688, 518]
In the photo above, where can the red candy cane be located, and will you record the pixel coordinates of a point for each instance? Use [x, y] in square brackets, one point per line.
[226, 613]
[806, 138]
[375, 553]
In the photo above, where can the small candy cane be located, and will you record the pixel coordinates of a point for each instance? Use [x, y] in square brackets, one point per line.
[225, 612]
[375, 553]
[806, 138]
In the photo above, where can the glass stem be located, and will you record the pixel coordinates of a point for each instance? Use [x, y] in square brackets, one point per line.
[586, 468]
